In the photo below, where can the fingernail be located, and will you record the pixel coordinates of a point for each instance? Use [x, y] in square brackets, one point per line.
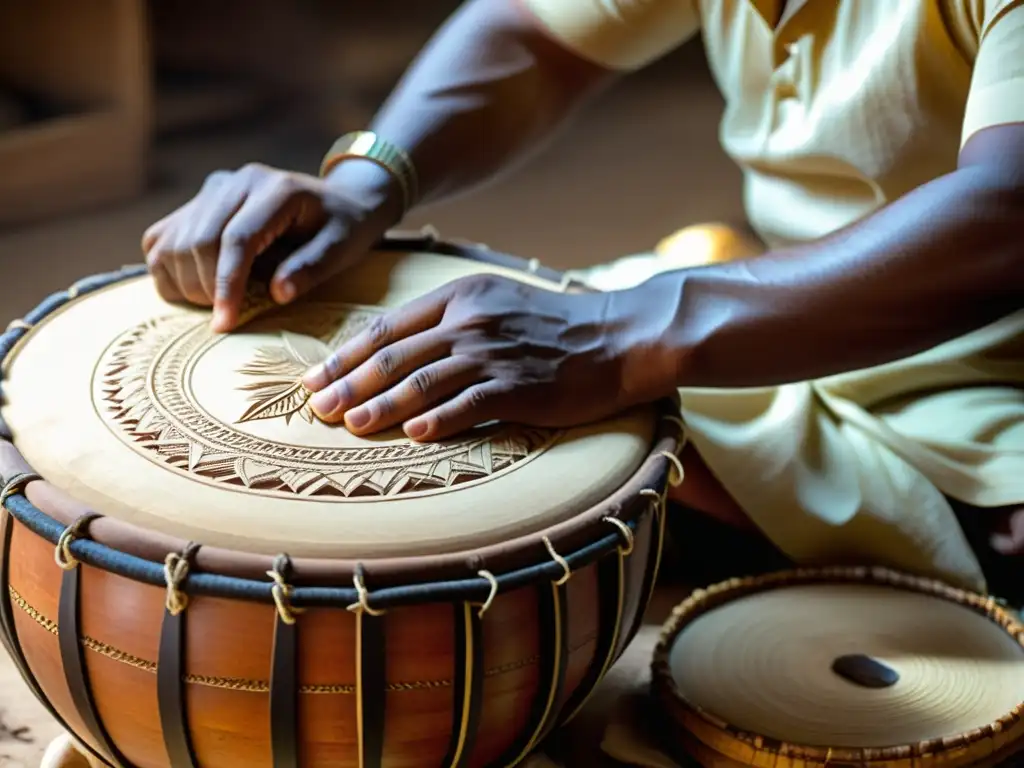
[313, 376]
[325, 402]
[220, 320]
[358, 418]
[416, 429]
[285, 291]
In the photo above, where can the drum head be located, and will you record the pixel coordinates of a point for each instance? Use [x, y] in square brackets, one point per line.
[764, 664]
[137, 409]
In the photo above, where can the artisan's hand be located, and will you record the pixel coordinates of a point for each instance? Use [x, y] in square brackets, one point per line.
[480, 349]
[203, 252]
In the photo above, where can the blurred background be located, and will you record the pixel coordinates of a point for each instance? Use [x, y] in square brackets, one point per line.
[112, 112]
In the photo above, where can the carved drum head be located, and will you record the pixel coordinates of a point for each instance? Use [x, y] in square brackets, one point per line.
[136, 408]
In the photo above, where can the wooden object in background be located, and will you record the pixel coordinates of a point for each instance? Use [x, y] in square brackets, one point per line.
[334, 62]
[85, 66]
[12, 111]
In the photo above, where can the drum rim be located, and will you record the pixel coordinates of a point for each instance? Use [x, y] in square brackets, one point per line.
[129, 550]
[756, 750]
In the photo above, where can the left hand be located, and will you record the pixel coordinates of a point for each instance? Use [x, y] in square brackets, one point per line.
[479, 349]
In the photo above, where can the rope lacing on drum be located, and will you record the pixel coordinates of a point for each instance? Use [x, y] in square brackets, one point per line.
[677, 464]
[627, 535]
[19, 325]
[77, 287]
[651, 494]
[363, 604]
[567, 571]
[493, 581]
[281, 590]
[673, 458]
[62, 554]
[16, 485]
[176, 568]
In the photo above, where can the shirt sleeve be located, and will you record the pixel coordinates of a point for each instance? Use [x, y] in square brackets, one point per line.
[997, 84]
[621, 35]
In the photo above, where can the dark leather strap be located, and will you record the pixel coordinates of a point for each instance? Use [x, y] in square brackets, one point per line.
[170, 689]
[72, 656]
[553, 644]
[371, 688]
[468, 691]
[9, 631]
[426, 242]
[284, 695]
[611, 596]
[561, 651]
[657, 523]
[7, 627]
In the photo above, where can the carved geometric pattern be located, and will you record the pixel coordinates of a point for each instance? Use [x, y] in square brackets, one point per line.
[144, 393]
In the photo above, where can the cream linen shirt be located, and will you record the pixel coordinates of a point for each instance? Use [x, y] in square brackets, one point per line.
[832, 112]
[846, 105]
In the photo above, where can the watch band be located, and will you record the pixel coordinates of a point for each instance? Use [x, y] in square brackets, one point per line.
[369, 146]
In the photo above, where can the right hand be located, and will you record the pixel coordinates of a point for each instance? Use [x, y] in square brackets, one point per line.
[204, 251]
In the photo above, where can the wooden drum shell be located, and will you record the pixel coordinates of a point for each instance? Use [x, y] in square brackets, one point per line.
[227, 693]
[397, 675]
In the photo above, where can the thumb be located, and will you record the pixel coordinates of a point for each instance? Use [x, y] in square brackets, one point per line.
[333, 249]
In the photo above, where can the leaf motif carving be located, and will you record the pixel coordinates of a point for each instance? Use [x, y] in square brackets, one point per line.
[283, 396]
[306, 350]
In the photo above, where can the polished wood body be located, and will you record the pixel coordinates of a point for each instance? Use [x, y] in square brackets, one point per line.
[229, 651]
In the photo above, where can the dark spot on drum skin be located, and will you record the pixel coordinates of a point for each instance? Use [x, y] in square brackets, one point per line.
[864, 671]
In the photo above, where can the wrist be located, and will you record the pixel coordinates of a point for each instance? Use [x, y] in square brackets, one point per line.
[653, 353]
[376, 189]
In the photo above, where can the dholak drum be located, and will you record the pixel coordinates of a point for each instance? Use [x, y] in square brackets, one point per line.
[841, 667]
[197, 571]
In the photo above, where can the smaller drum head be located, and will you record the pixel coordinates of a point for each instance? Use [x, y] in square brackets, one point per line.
[855, 667]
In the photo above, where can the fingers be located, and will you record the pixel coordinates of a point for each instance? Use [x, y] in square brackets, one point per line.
[181, 248]
[206, 269]
[329, 252]
[186, 275]
[166, 284]
[380, 372]
[155, 232]
[419, 392]
[476, 405]
[257, 223]
[203, 237]
[207, 246]
[152, 235]
[415, 317]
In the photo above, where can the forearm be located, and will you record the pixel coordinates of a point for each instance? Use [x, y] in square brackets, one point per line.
[942, 261]
[486, 91]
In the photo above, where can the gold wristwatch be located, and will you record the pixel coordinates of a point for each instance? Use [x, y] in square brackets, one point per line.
[370, 146]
